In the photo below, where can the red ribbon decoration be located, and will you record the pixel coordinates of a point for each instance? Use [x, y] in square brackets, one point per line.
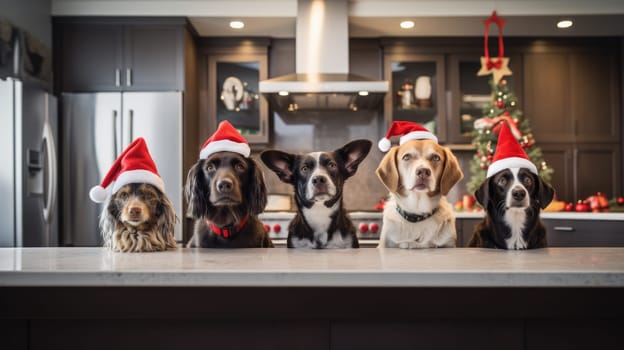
[501, 50]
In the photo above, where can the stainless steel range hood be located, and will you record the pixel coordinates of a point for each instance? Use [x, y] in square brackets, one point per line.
[322, 80]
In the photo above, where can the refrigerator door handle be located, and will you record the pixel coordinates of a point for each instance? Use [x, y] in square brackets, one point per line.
[48, 139]
[115, 150]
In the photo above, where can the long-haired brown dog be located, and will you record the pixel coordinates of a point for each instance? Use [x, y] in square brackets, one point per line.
[137, 215]
[138, 218]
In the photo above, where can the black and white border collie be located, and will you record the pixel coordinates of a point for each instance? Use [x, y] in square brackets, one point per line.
[512, 200]
[318, 179]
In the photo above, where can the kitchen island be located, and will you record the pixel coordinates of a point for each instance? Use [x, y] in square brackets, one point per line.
[276, 298]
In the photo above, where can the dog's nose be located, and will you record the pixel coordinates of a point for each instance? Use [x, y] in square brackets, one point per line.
[224, 186]
[319, 180]
[518, 194]
[423, 172]
[135, 211]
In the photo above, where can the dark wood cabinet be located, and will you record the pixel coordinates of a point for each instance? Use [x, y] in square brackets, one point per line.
[571, 95]
[92, 57]
[120, 55]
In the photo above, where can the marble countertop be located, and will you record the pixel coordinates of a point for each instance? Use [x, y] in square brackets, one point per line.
[614, 216]
[281, 267]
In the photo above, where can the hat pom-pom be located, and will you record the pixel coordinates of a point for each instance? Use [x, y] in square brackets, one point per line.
[98, 194]
[384, 144]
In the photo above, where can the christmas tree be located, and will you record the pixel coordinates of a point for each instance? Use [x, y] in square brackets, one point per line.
[503, 108]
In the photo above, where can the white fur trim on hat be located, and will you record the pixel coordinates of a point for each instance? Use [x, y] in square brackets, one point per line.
[417, 135]
[384, 145]
[511, 162]
[225, 146]
[137, 176]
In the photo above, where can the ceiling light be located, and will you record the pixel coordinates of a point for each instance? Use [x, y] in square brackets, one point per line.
[363, 93]
[407, 24]
[283, 93]
[563, 24]
[237, 25]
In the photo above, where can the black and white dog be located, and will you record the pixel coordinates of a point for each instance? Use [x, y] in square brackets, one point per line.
[318, 179]
[512, 199]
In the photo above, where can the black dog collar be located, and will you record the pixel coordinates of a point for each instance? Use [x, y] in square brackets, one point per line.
[414, 217]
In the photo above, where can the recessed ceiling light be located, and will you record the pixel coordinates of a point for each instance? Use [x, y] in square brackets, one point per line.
[563, 24]
[237, 24]
[407, 24]
[363, 93]
[283, 93]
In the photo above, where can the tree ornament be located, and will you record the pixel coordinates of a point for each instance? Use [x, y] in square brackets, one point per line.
[499, 67]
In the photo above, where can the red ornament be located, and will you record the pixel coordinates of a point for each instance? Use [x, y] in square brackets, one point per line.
[582, 207]
[569, 207]
[499, 104]
[620, 200]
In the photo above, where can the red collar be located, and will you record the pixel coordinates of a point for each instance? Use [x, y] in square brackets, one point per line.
[227, 231]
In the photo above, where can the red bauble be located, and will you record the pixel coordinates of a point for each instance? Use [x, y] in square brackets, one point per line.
[569, 207]
[620, 200]
[499, 104]
[582, 207]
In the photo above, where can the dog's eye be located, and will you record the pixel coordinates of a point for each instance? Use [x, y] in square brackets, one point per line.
[435, 157]
[304, 169]
[123, 195]
[239, 167]
[406, 157]
[502, 182]
[331, 165]
[527, 181]
[210, 167]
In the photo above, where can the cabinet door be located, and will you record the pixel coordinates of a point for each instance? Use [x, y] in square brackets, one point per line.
[598, 170]
[417, 91]
[233, 92]
[594, 96]
[153, 58]
[469, 94]
[560, 158]
[92, 57]
[547, 87]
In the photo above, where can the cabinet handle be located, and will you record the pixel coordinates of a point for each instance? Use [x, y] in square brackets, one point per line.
[129, 77]
[117, 77]
[131, 113]
[115, 151]
[564, 228]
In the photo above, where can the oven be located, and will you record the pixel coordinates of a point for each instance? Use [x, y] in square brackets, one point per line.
[367, 225]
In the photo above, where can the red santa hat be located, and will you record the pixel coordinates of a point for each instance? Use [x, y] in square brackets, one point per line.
[134, 165]
[225, 139]
[509, 154]
[408, 130]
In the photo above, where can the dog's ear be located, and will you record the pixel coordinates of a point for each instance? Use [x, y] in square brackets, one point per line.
[388, 172]
[481, 194]
[165, 224]
[108, 219]
[197, 191]
[255, 191]
[352, 154]
[281, 163]
[451, 173]
[545, 193]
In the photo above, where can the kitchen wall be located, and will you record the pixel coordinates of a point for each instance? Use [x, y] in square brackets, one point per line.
[30, 15]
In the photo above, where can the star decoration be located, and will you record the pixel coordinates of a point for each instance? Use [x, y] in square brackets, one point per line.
[498, 70]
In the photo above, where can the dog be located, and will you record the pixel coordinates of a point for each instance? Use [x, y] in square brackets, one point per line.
[418, 174]
[512, 199]
[318, 179]
[138, 218]
[225, 193]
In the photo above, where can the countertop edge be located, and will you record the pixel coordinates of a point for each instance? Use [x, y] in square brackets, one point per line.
[280, 279]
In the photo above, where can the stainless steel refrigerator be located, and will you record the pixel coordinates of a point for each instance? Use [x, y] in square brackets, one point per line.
[28, 165]
[96, 128]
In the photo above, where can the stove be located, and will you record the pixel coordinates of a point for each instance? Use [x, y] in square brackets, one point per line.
[367, 225]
